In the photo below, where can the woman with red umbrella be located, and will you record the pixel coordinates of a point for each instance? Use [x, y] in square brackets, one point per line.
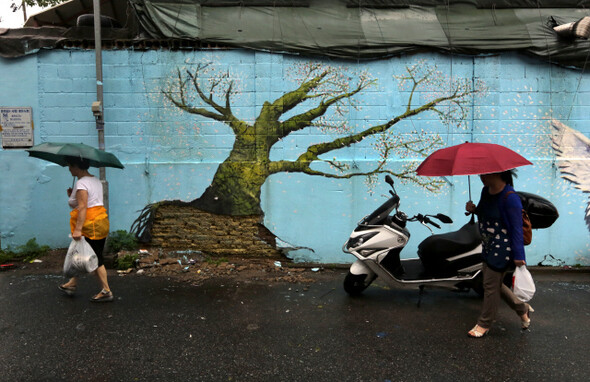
[499, 213]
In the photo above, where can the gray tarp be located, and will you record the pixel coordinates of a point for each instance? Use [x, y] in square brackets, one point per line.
[348, 29]
[337, 28]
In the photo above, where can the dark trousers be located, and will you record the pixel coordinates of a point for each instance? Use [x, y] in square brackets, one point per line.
[494, 289]
[98, 247]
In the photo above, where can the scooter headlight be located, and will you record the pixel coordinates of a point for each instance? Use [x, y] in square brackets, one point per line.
[360, 240]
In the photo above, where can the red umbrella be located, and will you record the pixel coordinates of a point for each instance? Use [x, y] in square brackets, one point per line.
[471, 159]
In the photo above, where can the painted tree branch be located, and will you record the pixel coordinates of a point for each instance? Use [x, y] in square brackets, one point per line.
[236, 186]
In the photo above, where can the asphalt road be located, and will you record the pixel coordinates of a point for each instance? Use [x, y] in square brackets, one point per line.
[223, 330]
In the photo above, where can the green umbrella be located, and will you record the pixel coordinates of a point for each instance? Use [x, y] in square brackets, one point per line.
[58, 152]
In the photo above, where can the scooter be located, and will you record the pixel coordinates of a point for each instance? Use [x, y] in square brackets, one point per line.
[450, 259]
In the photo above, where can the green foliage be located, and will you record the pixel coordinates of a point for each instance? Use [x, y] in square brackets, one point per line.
[216, 260]
[31, 250]
[121, 240]
[126, 262]
[42, 3]
[5, 256]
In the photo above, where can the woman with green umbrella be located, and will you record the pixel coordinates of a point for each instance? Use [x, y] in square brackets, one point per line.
[88, 219]
[89, 216]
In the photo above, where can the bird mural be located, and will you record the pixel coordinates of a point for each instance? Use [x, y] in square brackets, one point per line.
[572, 149]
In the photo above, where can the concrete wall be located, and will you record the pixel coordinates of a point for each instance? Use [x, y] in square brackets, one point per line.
[172, 155]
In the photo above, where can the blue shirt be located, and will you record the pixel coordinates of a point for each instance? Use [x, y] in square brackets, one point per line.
[500, 225]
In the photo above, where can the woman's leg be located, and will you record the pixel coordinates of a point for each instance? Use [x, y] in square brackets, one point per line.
[492, 281]
[101, 271]
[72, 283]
[101, 274]
[521, 308]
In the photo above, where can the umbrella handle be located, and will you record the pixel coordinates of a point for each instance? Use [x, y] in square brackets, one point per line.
[469, 184]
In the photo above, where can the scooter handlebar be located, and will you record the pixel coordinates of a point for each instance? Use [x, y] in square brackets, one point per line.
[424, 219]
[428, 221]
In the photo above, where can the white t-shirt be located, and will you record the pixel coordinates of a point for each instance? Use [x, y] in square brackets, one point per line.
[93, 186]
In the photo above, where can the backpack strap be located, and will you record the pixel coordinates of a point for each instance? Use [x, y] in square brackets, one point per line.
[526, 223]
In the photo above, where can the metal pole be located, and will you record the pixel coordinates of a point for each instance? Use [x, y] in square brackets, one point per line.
[99, 109]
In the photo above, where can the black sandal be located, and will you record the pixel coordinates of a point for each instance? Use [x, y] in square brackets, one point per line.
[103, 296]
[67, 289]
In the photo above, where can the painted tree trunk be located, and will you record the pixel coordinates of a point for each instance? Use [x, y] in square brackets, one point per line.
[237, 184]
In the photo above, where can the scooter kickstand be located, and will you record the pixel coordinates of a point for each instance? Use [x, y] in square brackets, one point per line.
[421, 287]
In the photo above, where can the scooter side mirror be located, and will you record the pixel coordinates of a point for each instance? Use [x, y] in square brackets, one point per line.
[444, 218]
[388, 180]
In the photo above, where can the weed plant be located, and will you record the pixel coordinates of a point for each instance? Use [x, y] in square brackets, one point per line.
[121, 240]
[30, 251]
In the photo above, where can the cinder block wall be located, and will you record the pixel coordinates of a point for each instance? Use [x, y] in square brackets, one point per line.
[171, 155]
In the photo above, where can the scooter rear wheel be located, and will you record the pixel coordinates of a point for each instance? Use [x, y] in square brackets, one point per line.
[354, 285]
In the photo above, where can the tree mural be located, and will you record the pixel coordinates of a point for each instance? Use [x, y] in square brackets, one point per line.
[322, 99]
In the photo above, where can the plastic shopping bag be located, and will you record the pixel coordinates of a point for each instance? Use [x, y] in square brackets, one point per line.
[80, 259]
[523, 285]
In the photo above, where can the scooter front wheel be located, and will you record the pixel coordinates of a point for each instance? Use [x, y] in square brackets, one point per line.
[356, 284]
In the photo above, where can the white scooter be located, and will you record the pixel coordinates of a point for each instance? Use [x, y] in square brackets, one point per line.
[450, 260]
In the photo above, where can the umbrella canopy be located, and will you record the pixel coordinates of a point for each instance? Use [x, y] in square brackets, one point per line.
[58, 152]
[471, 159]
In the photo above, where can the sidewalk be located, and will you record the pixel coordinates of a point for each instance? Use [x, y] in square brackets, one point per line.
[225, 329]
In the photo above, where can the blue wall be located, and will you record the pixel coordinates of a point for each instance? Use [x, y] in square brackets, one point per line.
[172, 155]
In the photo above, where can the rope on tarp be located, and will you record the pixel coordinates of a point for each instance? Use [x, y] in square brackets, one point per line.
[579, 83]
[549, 60]
[451, 90]
[450, 39]
[541, 22]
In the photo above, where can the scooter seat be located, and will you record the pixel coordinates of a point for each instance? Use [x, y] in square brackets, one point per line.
[442, 246]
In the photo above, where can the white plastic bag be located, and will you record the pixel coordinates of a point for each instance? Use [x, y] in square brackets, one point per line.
[523, 285]
[80, 259]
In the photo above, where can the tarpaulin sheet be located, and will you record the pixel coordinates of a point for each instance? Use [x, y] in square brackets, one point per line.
[346, 29]
[335, 28]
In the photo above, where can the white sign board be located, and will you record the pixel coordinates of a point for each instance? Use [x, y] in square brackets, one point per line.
[16, 125]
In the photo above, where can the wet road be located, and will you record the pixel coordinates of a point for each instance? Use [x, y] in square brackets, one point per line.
[159, 330]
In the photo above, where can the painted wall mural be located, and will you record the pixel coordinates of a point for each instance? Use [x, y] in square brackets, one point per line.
[321, 97]
[572, 149]
[281, 151]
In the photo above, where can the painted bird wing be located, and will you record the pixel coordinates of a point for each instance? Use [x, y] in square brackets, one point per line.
[572, 149]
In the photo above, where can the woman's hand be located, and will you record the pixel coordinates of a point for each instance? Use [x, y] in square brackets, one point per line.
[518, 263]
[470, 207]
[69, 192]
[77, 234]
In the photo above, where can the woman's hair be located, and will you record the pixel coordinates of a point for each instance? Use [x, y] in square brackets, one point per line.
[81, 163]
[507, 176]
